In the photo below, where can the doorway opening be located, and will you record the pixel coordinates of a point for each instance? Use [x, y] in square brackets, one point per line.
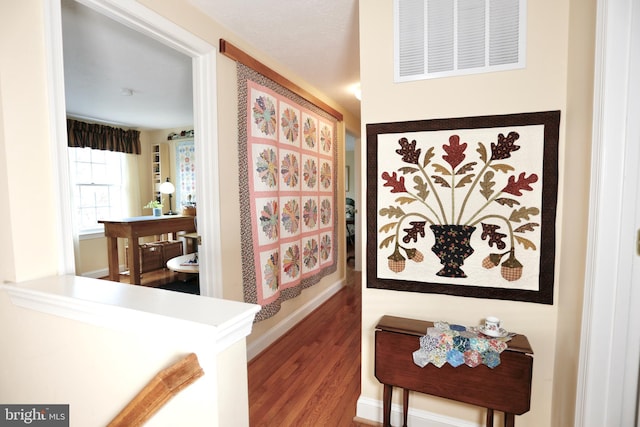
[202, 55]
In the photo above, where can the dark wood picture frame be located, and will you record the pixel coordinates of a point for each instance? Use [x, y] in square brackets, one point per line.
[380, 219]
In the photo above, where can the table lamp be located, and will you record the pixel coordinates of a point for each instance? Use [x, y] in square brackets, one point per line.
[168, 188]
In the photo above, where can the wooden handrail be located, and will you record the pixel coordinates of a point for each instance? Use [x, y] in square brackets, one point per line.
[236, 54]
[166, 384]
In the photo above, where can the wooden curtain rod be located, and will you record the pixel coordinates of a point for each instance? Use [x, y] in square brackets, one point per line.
[236, 54]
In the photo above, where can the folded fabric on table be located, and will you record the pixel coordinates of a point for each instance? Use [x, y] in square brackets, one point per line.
[458, 345]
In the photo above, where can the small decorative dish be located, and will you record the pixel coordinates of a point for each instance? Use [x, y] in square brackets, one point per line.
[500, 333]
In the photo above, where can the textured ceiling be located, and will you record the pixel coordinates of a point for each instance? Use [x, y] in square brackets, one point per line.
[103, 57]
[316, 39]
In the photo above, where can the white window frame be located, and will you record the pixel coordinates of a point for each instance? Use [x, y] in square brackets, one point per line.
[119, 180]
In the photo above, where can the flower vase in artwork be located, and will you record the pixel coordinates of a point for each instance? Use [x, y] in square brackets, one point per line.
[452, 245]
[157, 211]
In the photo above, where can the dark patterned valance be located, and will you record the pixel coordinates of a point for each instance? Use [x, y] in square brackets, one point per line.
[102, 137]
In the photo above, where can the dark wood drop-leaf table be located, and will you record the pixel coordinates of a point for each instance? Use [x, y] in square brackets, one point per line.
[506, 388]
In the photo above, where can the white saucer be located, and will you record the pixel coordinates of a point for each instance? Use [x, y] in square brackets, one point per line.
[500, 333]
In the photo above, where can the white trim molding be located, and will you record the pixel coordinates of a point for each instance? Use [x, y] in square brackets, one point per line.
[183, 317]
[58, 132]
[371, 410]
[207, 176]
[607, 392]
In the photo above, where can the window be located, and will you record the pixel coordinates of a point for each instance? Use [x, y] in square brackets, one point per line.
[441, 38]
[98, 186]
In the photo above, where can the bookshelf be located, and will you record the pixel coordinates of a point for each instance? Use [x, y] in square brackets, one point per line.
[159, 162]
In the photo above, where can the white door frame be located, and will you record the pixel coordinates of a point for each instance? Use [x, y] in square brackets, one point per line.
[607, 393]
[139, 18]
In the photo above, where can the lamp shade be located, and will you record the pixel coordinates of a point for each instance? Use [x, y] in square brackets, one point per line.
[167, 188]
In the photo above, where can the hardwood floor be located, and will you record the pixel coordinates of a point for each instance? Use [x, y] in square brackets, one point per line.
[311, 376]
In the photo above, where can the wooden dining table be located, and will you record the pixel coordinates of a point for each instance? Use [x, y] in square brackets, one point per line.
[132, 229]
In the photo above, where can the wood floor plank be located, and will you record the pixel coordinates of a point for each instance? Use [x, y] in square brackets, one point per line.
[311, 376]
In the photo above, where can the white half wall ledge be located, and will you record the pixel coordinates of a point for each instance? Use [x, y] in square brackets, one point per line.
[179, 316]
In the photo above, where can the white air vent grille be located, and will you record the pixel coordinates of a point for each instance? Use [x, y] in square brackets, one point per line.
[439, 38]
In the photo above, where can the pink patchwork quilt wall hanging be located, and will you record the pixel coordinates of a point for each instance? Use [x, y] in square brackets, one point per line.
[287, 150]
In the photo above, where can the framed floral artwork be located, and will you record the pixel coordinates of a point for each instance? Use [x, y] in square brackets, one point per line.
[464, 206]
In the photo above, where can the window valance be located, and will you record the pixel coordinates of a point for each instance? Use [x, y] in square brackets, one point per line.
[102, 137]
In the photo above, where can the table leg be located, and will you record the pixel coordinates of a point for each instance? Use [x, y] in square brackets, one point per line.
[509, 420]
[386, 398]
[405, 406]
[489, 422]
[112, 255]
[134, 260]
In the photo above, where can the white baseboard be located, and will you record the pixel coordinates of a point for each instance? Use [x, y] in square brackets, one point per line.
[281, 328]
[371, 410]
[96, 274]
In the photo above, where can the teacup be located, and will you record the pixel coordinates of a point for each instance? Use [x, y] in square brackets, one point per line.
[492, 324]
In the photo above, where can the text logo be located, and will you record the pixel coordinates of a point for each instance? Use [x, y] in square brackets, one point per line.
[34, 415]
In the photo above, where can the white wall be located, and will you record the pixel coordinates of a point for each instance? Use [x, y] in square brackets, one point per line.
[560, 46]
[31, 237]
[30, 204]
[50, 359]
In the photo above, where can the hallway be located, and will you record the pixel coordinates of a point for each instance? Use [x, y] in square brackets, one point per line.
[311, 376]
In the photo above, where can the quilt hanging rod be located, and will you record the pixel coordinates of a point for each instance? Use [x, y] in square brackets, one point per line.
[230, 51]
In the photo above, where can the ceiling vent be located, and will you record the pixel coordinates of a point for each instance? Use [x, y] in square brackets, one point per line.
[441, 38]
